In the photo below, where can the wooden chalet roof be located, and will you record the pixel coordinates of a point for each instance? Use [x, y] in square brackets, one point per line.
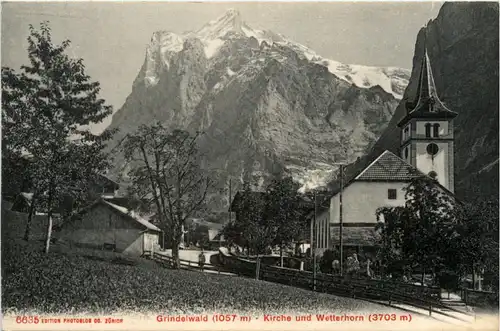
[26, 196]
[123, 211]
[133, 215]
[209, 225]
[108, 181]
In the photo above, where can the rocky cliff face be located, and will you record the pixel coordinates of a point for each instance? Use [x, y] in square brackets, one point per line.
[265, 103]
[462, 43]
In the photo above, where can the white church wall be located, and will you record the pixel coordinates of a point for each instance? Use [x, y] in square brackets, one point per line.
[362, 199]
[439, 163]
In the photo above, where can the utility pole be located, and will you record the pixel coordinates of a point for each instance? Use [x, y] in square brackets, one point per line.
[311, 234]
[341, 225]
[313, 248]
[230, 197]
[230, 212]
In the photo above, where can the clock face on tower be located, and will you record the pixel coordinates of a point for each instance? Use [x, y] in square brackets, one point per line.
[432, 149]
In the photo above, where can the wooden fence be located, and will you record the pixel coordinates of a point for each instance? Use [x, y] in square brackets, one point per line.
[423, 297]
[387, 292]
[168, 261]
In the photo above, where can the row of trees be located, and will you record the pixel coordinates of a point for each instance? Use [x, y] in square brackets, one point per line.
[273, 218]
[47, 108]
[436, 234]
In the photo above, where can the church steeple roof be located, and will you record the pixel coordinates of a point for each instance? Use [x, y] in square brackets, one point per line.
[426, 103]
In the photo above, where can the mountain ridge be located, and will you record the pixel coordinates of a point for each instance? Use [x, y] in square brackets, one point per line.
[213, 35]
[264, 103]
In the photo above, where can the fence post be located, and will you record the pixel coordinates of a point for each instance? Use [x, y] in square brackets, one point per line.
[257, 267]
[430, 309]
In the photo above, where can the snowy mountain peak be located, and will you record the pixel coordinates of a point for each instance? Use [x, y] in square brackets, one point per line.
[230, 28]
[229, 22]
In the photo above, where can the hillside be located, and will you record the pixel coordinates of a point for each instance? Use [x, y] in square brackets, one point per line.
[68, 282]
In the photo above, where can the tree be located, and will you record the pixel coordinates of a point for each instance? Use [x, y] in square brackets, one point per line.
[167, 178]
[418, 234]
[475, 246]
[391, 224]
[47, 110]
[284, 209]
[252, 228]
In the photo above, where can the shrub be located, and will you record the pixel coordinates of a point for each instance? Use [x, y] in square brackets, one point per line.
[326, 260]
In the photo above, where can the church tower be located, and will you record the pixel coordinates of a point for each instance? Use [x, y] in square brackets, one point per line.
[427, 131]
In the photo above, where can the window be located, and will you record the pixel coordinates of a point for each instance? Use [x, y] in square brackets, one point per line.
[436, 130]
[109, 247]
[406, 133]
[428, 130]
[392, 194]
[406, 152]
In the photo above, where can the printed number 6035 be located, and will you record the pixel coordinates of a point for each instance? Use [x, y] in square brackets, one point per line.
[27, 320]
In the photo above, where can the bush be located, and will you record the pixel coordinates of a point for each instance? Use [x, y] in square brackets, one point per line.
[448, 280]
[325, 264]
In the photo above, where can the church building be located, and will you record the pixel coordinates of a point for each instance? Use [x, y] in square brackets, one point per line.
[426, 146]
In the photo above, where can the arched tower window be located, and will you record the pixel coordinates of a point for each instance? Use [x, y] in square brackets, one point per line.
[406, 153]
[428, 130]
[436, 130]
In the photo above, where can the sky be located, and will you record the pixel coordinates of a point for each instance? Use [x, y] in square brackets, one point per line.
[111, 37]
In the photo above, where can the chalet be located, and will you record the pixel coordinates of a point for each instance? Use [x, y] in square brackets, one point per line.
[199, 228]
[101, 187]
[426, 148]
[104, 225]
[104, 187]
[22, 204]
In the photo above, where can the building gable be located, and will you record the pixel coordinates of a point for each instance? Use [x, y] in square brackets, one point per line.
[133, 216]
[128, 216]
[387, 167]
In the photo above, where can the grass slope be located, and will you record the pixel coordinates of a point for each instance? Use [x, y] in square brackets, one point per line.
[71, 281]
